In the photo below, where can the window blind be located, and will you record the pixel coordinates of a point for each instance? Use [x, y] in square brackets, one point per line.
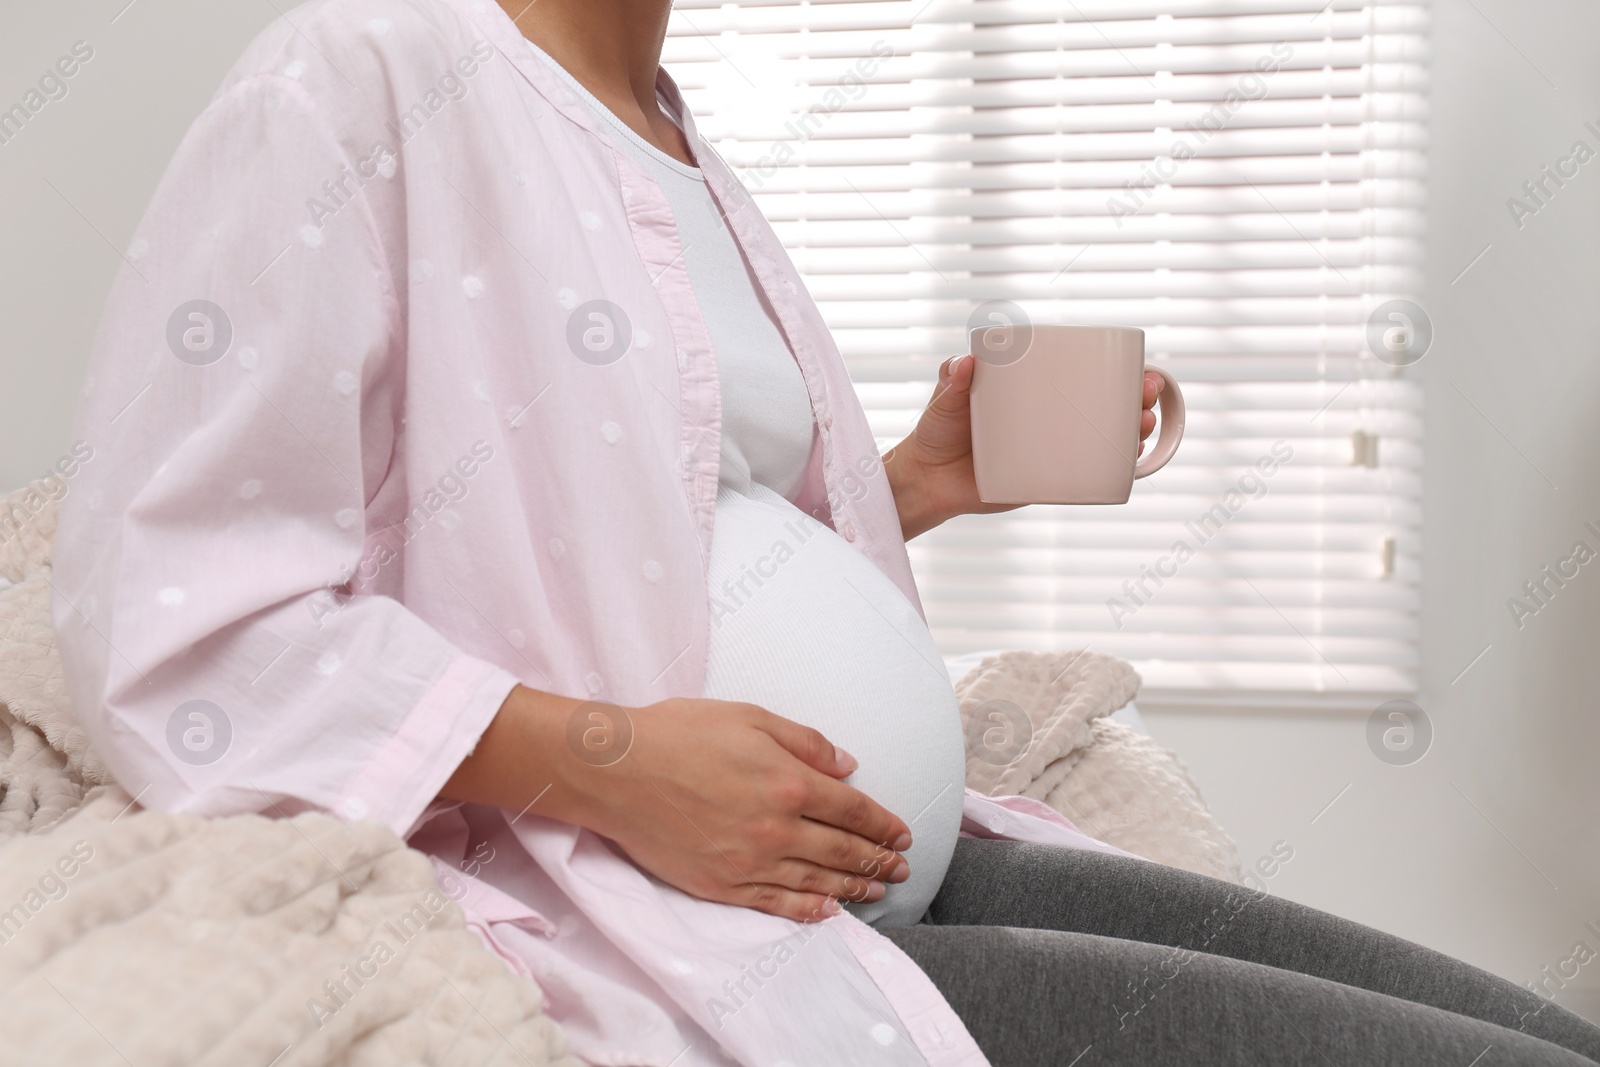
[1243, 179]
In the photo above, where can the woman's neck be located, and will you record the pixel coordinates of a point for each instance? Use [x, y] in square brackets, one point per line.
[613, 49]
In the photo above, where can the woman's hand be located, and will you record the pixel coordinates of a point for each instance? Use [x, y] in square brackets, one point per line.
[725, 801]
[730, 802]
[930, 471]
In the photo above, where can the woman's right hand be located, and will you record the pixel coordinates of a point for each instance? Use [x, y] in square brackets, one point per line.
[732, 803]
[725, 801]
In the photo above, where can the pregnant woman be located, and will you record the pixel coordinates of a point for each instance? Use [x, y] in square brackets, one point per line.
[470, 459]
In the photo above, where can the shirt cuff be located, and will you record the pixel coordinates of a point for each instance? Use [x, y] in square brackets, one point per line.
[403, 778]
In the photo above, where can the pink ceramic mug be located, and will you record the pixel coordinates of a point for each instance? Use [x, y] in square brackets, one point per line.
[1055, 414]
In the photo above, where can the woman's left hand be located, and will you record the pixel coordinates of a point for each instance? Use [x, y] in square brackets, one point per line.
[931, 470]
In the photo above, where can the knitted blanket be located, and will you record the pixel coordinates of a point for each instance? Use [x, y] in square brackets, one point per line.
[1036, 726]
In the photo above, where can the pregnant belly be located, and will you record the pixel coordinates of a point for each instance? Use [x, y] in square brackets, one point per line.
[806, 627]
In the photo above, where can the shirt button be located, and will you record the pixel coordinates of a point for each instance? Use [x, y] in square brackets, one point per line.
[593, 682]
[683, 360]
[827, 420]
[849, 531]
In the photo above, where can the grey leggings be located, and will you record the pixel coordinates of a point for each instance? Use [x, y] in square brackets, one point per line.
[1063, 958]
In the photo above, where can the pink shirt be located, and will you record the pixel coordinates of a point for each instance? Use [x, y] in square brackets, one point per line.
[365, 459]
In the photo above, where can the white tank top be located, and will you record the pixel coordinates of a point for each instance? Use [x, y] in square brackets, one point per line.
[802, 623]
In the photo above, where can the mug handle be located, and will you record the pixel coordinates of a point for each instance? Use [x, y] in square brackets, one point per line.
[1172, 415]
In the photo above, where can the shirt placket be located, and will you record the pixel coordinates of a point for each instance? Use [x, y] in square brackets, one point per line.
[781, 294]
[656, 239]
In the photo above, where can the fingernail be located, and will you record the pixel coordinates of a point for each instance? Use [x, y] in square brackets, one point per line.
[960, 362]
[844, 760]
[875, 891]
[900, 873]
[902, 842]
[831, 907]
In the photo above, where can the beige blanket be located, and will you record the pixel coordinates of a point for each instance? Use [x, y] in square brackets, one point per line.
[133, 936]
[1036, 727]
[153, 939]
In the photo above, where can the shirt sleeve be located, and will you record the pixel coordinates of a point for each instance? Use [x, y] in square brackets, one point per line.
[244, 409]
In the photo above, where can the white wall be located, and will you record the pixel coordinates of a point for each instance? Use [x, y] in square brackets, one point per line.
[1403, 848]
[1524, 332]
[1489, 848]
[104, 146]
